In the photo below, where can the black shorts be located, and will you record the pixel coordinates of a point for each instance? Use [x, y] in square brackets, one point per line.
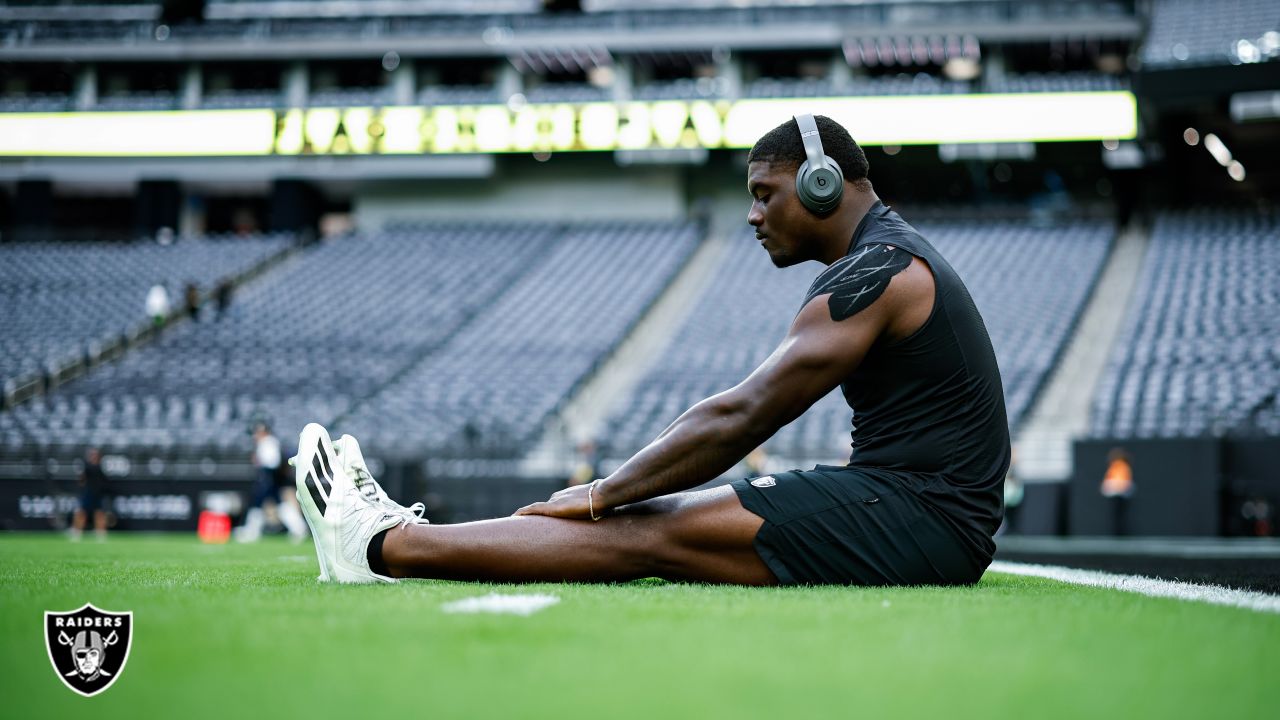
[91, 501]
[846, 526]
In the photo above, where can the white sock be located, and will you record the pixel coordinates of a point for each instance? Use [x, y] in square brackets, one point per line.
[251, 531]
[292, 518]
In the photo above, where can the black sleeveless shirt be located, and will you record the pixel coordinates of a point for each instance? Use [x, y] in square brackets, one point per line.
[929, 409]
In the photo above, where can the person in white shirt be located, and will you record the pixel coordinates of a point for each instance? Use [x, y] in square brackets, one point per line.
[267, 457]
[158, 304]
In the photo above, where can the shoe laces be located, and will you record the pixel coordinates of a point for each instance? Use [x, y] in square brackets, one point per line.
[374, 493]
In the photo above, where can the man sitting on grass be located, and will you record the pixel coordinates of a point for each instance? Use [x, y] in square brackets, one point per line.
[888, 321]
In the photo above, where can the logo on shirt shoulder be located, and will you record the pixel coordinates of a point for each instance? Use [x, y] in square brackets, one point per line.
[764, 482]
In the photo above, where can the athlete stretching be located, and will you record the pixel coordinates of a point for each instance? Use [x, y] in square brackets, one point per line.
[888, 321]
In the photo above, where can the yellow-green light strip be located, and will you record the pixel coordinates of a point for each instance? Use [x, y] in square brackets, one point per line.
[920, 120]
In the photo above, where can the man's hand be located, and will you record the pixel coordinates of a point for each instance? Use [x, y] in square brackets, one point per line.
[570, 503]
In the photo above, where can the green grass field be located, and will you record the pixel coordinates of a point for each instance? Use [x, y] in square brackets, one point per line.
[246, 632]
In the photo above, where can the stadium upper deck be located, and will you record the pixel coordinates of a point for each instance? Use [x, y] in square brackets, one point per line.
[332, 28]
[518, 61]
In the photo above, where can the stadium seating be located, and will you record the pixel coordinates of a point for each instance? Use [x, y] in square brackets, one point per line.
[489, 327]
[460, 95]
[301, 343]
[566, 92]
[1188, 33]
[35, 102]
[67, 296]
[740, 317]
[262, 20]
[1198, 353]
[494, 384]
[1029, 282]
[680, 89]
[236, 99]
[138, 101]
[347, 97]
[225, 9]
[901, 84]
[1056, 82]
[919, 84]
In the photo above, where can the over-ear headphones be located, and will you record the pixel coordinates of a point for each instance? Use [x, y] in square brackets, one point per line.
[819, 182]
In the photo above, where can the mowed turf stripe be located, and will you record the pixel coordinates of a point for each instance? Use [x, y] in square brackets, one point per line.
[1151, 587]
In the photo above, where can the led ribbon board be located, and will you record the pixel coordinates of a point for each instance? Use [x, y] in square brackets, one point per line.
[137, 134]
[919, 120]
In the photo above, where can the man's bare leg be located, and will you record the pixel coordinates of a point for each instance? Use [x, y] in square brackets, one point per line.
[701, 536]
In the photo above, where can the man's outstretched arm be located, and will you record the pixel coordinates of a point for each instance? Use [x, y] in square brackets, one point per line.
[709, 438]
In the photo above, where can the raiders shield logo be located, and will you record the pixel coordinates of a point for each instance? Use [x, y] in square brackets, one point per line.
[88, 647]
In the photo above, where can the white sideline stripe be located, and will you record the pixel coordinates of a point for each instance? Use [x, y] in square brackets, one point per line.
[493, 603]
[1151, 587]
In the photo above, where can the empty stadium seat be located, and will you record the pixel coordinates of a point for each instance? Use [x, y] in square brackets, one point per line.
[493, 385]
[416, 333]
[1198, 354]
[67, 296]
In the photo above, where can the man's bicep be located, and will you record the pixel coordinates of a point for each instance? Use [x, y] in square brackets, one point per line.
[816, 356]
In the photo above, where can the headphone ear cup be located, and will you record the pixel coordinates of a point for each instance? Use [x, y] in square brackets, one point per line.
[802, 187]
[820, 189]
[822, 184]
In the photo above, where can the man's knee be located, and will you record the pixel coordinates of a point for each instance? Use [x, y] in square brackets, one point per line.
[681, 529]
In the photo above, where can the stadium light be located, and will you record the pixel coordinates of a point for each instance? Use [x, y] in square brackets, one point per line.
[1217, 149]
[523, 127]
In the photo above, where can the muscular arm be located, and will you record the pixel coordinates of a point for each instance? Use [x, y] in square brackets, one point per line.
[713, 435]
[821, 348]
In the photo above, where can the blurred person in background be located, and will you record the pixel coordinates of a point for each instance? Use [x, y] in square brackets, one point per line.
[1256, 512]
[1117, 487]
[158, 304]
[588, 464]
[266, 459]
[93, 497]
[191, 300]
[222, 297]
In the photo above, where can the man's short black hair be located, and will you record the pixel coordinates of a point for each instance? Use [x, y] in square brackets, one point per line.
[782, 145]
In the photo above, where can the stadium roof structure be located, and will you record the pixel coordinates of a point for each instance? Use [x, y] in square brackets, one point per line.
[626, 31]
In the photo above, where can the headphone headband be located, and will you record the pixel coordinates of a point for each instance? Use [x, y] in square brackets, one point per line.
[812, 140]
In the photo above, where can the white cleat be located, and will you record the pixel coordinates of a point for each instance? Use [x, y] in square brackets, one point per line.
[342, 518]
[353, 464]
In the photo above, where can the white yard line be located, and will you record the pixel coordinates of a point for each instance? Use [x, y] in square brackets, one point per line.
[1151, 587]
[508, 604]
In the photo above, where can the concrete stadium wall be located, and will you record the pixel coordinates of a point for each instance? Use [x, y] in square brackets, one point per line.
[572, 188]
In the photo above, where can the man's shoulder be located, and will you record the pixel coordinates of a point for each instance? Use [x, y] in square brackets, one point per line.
[892, 229]
[858, 279]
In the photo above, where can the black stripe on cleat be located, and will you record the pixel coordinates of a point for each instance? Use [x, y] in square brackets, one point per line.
[317, 497]
[324, 457]
[318, 473]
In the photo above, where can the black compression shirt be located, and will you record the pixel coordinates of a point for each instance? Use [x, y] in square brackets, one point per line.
[929, 408]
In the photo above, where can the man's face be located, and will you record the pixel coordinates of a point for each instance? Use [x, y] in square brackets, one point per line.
[782, 224]
[87, 660]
